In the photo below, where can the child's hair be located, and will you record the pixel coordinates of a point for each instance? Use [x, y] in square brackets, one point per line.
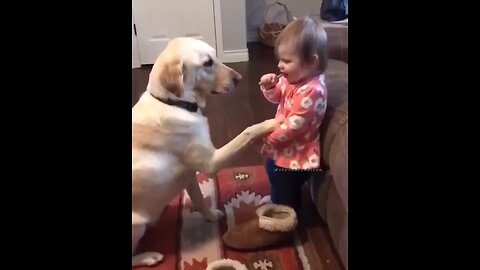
[309, 38]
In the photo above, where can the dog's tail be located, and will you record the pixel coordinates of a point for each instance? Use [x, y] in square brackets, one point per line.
[138, 219]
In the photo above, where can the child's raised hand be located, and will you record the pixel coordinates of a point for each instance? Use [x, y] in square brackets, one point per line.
[268, 80]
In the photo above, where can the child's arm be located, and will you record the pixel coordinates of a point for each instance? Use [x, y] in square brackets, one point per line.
[273, 94]
[306, 106]
[271, 88]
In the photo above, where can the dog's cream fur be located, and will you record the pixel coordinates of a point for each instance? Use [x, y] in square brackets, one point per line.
[170, 143]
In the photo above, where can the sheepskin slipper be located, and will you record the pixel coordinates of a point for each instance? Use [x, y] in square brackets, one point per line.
[274, 225]
[226, 264]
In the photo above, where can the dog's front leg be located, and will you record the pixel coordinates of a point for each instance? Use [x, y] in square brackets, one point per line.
[196, 196]
[221, 156]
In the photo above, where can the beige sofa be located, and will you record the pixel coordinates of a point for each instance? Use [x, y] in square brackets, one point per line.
[329, 190]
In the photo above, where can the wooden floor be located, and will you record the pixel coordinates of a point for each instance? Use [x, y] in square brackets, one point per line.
[230, 114]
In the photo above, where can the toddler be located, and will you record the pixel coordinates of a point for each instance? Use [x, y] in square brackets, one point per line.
[293, 149]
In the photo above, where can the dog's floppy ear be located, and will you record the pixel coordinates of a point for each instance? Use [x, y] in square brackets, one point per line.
[171, 75]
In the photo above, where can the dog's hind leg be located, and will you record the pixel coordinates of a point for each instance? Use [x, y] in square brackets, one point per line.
[146, 258]
[196, 196]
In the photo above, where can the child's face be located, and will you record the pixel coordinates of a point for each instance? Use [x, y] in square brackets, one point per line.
[290, 64]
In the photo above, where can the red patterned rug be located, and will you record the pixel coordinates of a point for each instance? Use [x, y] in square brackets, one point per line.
[188, 242]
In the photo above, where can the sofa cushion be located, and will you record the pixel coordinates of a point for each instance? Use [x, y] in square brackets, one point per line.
[329, 204]
[329, 190]
[337, 43]
[334, 129]
[336, 116]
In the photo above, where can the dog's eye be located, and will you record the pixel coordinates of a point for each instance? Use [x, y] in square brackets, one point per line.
[208, 63]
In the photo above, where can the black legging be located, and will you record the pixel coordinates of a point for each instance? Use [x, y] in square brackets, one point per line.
[286, 184]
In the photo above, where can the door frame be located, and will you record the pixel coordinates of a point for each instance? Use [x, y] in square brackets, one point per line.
[217, 17]
[136, 63]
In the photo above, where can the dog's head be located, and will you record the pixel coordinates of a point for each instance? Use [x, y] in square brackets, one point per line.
[189, 69]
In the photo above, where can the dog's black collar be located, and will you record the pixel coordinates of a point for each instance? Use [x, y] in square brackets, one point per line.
[189, 106]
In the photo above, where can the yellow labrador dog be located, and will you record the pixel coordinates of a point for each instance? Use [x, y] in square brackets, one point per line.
[170, 137]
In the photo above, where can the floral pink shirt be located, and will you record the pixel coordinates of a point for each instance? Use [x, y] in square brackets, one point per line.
[295, 144]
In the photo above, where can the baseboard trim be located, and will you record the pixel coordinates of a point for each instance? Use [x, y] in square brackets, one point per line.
[135, 64]
[232, 56]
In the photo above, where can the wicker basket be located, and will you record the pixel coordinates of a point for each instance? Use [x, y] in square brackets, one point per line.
[269, 31]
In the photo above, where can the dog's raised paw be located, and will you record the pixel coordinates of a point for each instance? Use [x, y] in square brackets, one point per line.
[213, 215]
[147, 259]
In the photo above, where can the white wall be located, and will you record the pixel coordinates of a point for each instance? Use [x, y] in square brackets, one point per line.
[255, 12]
[234, 30]
[233, 24]
[240, 19]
